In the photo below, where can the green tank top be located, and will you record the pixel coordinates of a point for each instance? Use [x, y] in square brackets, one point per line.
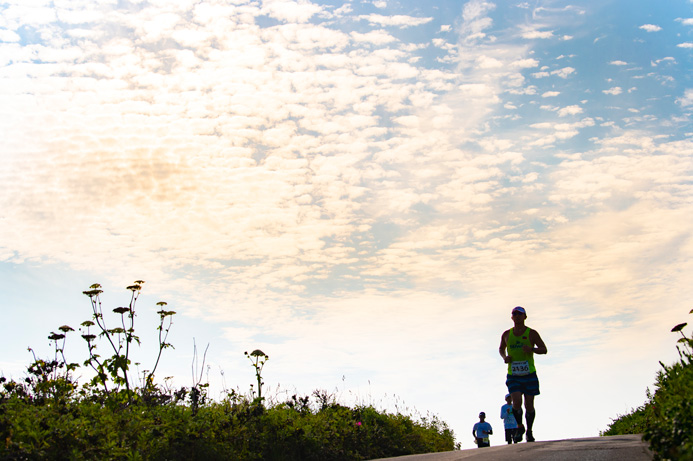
[522, 362]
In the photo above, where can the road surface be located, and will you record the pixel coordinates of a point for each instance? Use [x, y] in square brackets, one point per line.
[613, 448]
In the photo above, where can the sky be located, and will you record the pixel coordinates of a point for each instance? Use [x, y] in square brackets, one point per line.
[361, 189]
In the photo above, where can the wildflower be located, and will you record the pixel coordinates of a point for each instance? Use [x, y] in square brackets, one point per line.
[678, 327]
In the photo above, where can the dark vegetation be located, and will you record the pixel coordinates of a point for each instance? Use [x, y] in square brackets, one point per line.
[117, 415]
[666, 418]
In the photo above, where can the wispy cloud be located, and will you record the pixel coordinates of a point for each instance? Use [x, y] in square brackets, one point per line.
[396, 20]
[534, 34]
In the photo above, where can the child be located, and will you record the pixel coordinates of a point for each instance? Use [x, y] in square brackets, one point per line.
[511, 433]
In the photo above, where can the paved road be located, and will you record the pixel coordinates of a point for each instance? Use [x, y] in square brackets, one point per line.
[614, 448]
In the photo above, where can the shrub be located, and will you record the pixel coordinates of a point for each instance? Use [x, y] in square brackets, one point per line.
[666, 419]
[48, 415]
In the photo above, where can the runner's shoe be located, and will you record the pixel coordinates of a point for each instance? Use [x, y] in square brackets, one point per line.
[530, 436]
[519, 433]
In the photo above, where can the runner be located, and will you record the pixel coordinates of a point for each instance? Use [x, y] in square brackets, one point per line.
[517, 347]
[481, 431]
[509, 421]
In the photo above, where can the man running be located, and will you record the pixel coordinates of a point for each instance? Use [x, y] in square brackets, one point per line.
[517, 347]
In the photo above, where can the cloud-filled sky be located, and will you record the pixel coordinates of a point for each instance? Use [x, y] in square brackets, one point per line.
[361, 189]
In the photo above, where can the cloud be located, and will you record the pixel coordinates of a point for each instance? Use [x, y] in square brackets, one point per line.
[668, 60]
[564, 72]
[685, 45]
[686, 21]
[616, 90]
[376, 37]
[475, 19]
[550, 94]
[525, 63]
[650, 28]
[9, 36]
[396, 20]
[534, 34]
[290, 11]
[687, 98]
[570, 110]
[618, 63]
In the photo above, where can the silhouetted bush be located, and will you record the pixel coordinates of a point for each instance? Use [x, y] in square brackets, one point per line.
[666, 419]
[49, 416]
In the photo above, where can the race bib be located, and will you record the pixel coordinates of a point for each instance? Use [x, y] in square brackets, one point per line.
[520, 368]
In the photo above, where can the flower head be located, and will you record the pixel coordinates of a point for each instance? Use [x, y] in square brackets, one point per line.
[678, 327]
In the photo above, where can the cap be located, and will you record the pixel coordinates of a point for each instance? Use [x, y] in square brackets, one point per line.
[519, 309]
[507, 395]
[482, 414]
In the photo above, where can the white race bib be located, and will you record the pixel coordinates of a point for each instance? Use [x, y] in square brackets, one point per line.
[520, 368]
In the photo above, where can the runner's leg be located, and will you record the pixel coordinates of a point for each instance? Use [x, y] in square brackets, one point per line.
[531, 413]
[517, 412]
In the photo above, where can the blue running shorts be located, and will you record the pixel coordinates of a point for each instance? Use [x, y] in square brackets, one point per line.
[527, 384]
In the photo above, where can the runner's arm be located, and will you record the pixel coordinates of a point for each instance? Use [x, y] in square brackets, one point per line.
[502, 350]
[539, 346]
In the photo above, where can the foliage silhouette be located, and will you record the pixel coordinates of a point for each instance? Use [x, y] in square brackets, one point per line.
[666, 418]
[48, 415]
